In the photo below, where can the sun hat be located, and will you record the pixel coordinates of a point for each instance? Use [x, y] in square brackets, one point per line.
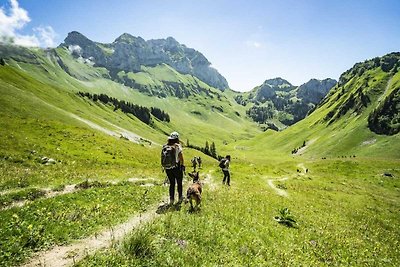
[173, 135]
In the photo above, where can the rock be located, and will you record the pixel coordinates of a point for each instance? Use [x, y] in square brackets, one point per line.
[48, 161]
[128, 53]
[314, 90]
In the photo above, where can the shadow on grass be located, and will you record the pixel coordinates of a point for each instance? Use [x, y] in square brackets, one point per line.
[164, 208]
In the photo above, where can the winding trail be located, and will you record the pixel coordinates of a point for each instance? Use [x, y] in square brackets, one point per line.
[71, 188]
[279, 191]
[304, 148]
[48, 194]
[282, 192]
[70, 254]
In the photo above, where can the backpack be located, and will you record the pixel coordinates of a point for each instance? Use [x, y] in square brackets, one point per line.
[222, 163]
[168, 158]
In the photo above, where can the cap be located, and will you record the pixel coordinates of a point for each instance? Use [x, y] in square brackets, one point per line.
[173, 135]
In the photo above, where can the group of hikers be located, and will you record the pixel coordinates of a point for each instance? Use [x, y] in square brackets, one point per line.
[173, 163]
[196, 161]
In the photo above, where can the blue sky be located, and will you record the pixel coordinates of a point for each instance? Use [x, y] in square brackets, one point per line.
[246, 41]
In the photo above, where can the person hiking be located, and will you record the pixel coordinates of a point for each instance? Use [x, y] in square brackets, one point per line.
[194, 163]
[199, 162]
[224, 164]
[173, 163]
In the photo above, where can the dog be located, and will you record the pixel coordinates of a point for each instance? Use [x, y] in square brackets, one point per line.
[194, 190]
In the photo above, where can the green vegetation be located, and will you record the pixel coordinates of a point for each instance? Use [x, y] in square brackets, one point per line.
[341, 182]
[345, 212]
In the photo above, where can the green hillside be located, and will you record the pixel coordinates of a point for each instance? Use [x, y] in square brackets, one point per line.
[341, 124]
[73, 167]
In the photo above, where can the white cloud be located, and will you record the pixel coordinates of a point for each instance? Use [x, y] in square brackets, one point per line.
[254, 44]
[46, 35]
[14, 19]
[75, 49]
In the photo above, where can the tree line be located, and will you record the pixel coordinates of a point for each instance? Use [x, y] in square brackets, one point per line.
[140, 112]
[208, 149]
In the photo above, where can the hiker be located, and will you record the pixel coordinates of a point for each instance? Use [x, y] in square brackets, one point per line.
[194, 163]
[173, 164]
[199, 162]
[224, 164]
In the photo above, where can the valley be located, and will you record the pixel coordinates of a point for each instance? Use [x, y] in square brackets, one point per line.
[324, 154]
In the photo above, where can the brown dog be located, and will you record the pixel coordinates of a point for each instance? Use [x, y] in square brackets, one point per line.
[194, 190]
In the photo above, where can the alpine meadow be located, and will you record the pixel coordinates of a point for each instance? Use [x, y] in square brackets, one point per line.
[315, 167]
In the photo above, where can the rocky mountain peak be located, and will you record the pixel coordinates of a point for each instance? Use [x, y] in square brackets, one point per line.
[128, 53]
[314, 90]
[76, 38]
[278, 82]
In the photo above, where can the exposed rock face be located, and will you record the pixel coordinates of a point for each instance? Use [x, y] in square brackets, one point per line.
[269, 88]
[278, 99]
[314, 90]
[129, 53]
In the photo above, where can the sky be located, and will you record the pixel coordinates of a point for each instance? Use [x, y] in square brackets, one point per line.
[247, 41]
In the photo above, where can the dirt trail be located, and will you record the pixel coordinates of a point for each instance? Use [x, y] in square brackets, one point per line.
[282, 192]
[301, 166]
[304, 148]
[279, 191]
[49, 193]
[209, 180]
[70, 254]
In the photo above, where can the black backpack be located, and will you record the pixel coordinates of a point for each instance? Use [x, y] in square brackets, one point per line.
[222, 163]
[168, 158]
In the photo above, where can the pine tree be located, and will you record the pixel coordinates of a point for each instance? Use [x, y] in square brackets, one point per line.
[207, 149]
[213, 150]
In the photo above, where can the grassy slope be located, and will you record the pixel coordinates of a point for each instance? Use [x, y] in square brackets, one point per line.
[345, 209]
[37, 100]
[347, 136]
[345, 212]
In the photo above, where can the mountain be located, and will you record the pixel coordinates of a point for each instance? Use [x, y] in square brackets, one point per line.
[129, 54]
[278, 104]
[60, 79]
[314, 90]
[80, 155]
[359, 116]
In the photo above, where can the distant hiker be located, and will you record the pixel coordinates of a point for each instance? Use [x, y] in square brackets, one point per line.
[194, 163]
[199, 162]
[224, 165]
[173, 164]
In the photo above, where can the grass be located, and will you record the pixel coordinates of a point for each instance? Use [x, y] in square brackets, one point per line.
[348, 220]
[345, 208]
[60, 220]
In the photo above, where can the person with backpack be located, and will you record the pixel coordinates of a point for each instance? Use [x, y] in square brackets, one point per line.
[224, 165]
[173, 163]
[199, 162]
[194, 163]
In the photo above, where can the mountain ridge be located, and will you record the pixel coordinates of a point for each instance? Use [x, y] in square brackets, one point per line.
[279, 104]
[128, 53]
